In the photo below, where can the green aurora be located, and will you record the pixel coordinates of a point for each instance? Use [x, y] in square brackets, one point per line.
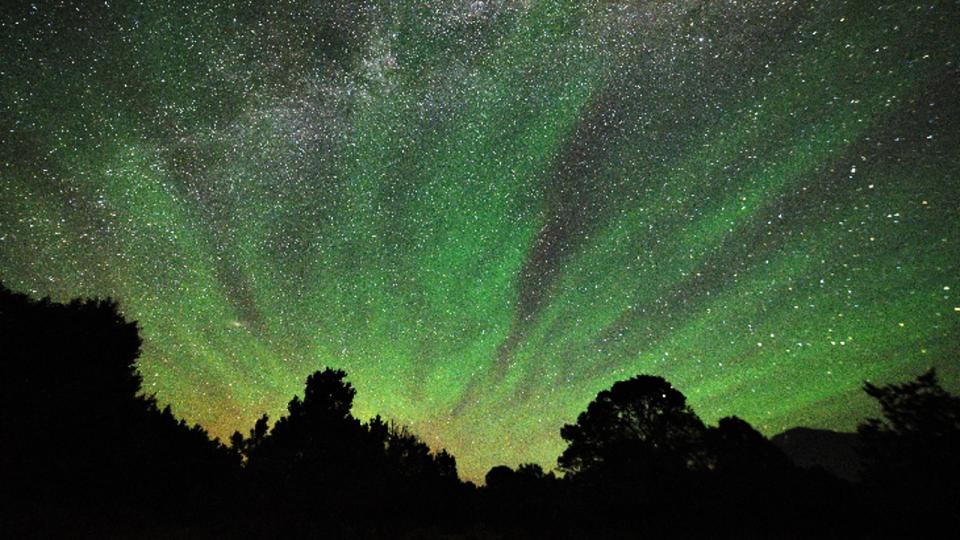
[486, 212]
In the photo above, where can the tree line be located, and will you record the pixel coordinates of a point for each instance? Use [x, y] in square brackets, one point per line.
[86, 454]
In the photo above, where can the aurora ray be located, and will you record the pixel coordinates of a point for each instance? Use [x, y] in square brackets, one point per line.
[485, 212]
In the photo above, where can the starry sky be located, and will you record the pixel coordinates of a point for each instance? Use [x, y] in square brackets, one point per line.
[486, 212]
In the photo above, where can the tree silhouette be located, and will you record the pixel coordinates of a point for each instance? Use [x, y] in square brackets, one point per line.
[639, 426]
[500, 477]
[912, 455]
[919, 410]
[78, 437]
[639, 459]
[323, 469]
[533, 472]
[312, 454]
[80, 442]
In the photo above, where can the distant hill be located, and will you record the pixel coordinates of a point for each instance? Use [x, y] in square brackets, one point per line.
[834, 451]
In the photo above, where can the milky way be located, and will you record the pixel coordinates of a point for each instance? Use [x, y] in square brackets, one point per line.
[485, 212]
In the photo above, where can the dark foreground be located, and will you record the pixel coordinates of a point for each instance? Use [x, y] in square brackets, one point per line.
[86, 455]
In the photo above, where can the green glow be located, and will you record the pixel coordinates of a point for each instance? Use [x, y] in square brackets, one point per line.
[487, 212]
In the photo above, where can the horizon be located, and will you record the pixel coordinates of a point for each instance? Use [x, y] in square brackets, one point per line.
[225, 439]
[485, 213]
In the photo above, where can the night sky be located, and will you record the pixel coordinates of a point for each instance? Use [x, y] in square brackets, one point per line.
[486, 212]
